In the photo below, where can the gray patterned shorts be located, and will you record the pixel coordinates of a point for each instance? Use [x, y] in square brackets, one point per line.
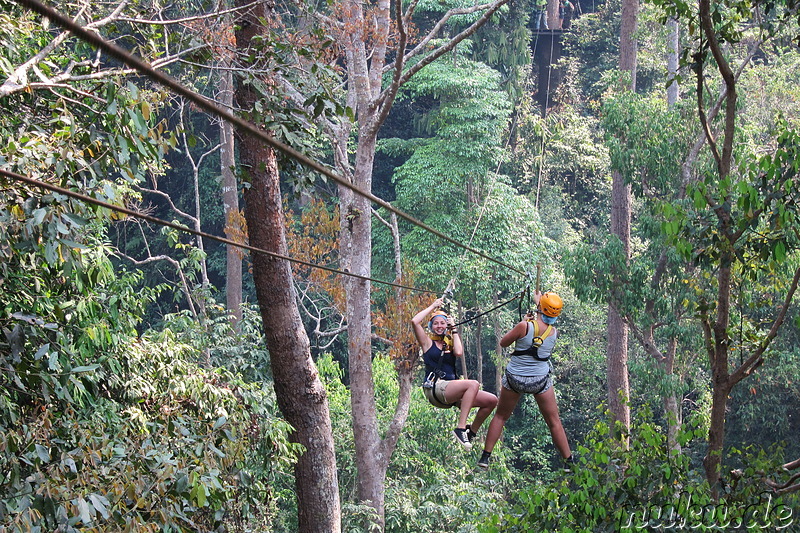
[527, 384]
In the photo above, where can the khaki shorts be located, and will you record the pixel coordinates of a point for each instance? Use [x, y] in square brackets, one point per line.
[436, 395]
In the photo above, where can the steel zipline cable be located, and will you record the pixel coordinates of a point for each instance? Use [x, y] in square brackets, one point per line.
[212, 108]
[498, 306]
[154, 220]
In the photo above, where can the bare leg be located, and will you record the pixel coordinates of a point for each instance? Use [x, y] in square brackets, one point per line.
[549, 409]
[485, 402]
[505, 406]
[463, 391]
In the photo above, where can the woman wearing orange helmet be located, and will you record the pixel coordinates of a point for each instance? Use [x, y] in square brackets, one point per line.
[528, 371]
[440, 349]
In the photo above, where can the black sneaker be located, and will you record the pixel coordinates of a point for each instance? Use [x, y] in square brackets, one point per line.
[483, 462]
[569, 464]
[461, 437]
[471, 435]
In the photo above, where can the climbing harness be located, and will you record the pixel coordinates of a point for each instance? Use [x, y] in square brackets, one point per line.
[433, 377]
[536, 342]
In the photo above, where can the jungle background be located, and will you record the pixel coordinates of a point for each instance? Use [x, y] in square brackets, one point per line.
[141, 384]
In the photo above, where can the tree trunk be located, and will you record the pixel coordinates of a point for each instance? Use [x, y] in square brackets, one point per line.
[300, 393]
[498, 349]
[720, 375]
[463, 360]
[617, 340]
[366, 45]
[673, 50]
[617, 354]
[716, 431]
[628, 46]
[617, 374]
[230, 201]
[671, 399]
[356, 248]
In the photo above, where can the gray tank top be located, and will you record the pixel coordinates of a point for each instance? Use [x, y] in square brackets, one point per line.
[526, 365]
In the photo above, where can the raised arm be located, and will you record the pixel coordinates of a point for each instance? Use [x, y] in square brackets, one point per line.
[458, 346]
[418, 319]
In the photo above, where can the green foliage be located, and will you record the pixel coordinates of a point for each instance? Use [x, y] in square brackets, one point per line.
[504, 45]
[644, 487]
[429, 487]
[240, 348]
[464, 115]
[646, 141]
[117, 137]
[101, 429]
[763, 411]
[560, 158]
[447, 181]
[594, 40]
[762, 204]
[167, 445]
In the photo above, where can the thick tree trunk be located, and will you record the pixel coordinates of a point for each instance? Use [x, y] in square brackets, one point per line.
[617, 340]
[716, 432]
[720, 375]
[300, 393]
[230, 202]
[617, 354]
[627, 38]
[356, 247]
[617, 373]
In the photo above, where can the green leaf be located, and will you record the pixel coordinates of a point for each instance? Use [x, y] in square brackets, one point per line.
[780, 251]
[43, 453]
[87, 368]
[83, 511]
[100, 504]
[38, 215]
[220, 422]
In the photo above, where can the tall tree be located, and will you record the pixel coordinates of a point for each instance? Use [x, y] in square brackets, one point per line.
[374, 42]
[738, 221]
[230, 200]
[617, 337]
[767, 192]
[301, 394]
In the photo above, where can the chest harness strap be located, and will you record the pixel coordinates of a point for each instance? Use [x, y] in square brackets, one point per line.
[533, 349]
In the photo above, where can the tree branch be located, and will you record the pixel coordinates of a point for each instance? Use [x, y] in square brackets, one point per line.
[755, 360]
[436, 54]
[176, 265]
[215, 14]
[723, 161]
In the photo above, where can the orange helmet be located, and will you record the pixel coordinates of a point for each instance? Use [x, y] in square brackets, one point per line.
[551, 304]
